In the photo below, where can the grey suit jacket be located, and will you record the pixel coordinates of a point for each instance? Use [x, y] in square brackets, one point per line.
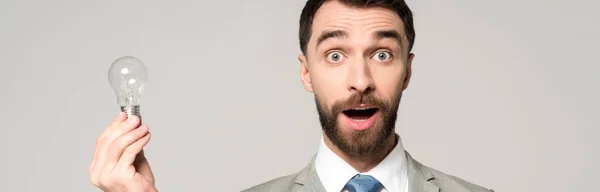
[421, 178]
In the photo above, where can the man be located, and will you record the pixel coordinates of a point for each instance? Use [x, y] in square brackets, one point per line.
[356, 60]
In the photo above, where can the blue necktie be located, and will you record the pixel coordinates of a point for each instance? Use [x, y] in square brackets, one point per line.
[363, 183]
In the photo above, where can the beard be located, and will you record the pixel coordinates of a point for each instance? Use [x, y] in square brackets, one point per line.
[359, 143]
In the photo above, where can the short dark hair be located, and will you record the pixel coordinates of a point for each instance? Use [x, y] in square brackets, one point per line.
[398, 6]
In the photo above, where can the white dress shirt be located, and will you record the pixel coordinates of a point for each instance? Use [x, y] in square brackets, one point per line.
[334, 172]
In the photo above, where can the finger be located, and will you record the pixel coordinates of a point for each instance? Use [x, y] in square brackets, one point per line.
[117, 148]
[116, 121]
[134, 153]
[122, 126]
[113, 132]
[113, 124]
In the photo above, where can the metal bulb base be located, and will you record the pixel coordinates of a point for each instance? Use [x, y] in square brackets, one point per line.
[132, 110]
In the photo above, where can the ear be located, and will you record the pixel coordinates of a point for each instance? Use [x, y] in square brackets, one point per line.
[304, 73]
[408, 71]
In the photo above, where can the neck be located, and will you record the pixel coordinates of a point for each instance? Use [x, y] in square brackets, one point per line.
[364, 163]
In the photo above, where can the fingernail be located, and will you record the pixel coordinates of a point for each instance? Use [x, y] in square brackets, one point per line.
[144, 128]
[131, 119]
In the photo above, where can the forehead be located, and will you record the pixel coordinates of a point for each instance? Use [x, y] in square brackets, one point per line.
[334, 15]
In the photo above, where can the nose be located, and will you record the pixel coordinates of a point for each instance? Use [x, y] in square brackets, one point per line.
[360, 78]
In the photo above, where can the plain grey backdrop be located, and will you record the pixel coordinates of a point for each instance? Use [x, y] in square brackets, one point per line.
[504, 94]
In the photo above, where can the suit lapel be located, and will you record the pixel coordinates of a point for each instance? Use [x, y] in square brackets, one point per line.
[312, 185]
[308, 180]
[419, 178]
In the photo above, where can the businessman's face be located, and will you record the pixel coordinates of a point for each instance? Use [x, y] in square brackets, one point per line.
[357, 64]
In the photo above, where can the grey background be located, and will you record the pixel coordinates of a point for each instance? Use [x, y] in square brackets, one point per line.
[504, 93]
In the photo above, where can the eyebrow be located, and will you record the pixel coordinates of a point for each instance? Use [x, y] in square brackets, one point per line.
[330, 35]
[383, 34]
[392, 34]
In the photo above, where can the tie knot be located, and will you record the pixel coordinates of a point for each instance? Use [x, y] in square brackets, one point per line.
[363, 183]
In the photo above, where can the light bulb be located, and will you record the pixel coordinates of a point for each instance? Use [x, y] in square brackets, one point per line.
[127, 76]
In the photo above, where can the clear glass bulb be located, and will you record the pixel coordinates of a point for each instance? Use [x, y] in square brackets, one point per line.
[127, 76]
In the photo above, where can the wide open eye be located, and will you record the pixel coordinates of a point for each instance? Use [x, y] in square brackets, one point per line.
[335, 57]
[382, 56]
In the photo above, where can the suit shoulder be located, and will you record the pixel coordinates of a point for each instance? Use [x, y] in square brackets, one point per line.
[447, 182]
[284, 183]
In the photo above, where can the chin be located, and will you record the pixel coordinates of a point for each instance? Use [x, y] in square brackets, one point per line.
[360, 142]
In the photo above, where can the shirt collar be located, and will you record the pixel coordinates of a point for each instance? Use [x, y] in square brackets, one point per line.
[334, 172]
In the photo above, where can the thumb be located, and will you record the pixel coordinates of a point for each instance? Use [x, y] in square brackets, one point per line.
[143, 167]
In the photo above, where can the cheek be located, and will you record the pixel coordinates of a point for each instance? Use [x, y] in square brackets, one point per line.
[328, 84]
[389, 81]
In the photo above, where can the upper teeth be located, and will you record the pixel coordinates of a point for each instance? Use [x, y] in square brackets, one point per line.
[361, 108]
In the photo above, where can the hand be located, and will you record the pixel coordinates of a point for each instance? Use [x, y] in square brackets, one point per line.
[119, 163]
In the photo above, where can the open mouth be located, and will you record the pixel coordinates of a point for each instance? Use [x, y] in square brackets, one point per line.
[360, 113]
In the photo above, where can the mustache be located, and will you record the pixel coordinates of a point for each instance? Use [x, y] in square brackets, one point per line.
[359, 98]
